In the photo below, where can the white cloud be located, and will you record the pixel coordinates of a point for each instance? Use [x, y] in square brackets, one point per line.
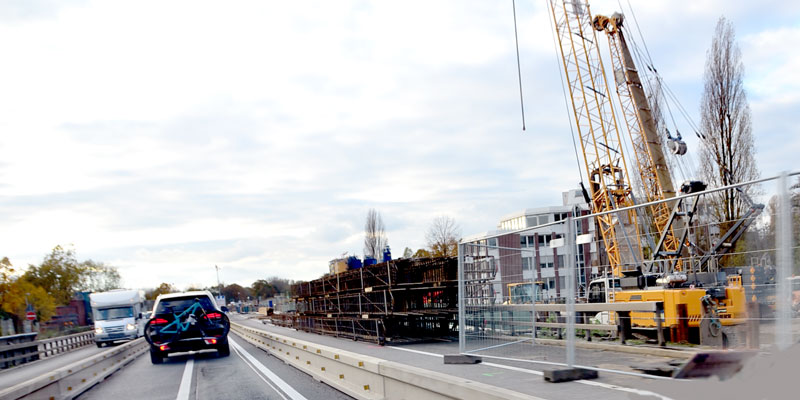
[168, 137]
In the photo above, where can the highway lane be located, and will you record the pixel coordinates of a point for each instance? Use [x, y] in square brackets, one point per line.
[248, 373]
[12, 376]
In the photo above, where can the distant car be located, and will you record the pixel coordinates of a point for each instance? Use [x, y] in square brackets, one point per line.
[185, 322]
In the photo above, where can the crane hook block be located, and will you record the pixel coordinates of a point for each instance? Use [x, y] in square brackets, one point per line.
[677, 146]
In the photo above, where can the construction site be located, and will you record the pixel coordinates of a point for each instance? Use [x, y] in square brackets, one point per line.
[400, 300]
[639, 256]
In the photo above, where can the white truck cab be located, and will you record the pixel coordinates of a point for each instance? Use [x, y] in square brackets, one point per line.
[117, 315]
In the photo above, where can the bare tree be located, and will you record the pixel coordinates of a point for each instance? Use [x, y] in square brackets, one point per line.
[726, 151]
[374, 235]
[442, 237]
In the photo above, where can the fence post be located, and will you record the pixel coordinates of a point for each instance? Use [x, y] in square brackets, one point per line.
[461, 301]
[624, 324]
[660, 328]
[754, 316]
[783, 332]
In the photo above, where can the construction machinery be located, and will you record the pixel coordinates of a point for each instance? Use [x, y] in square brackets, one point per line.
[694, 298]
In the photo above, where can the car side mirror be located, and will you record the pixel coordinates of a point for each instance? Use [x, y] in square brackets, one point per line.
[224, 309]
[140, 315]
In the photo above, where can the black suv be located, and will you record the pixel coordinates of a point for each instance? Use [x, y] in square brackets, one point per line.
[184, 322]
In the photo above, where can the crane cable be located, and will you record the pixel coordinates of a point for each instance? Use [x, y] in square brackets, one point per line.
[685, 165]
[519, 68]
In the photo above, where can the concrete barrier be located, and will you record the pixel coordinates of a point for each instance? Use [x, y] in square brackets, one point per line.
[70, 381]
[367, 378]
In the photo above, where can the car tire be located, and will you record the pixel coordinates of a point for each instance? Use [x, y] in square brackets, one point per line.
[156, 357]
[224, 349]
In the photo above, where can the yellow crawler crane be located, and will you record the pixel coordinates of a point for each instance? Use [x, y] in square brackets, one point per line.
[706, 308]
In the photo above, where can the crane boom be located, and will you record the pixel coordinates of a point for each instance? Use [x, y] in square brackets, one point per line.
[593, 112]
[652, 165]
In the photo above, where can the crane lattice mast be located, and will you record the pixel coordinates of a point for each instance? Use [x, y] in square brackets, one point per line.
[597, 128]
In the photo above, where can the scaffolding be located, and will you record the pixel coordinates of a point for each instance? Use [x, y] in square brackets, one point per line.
[395, 301]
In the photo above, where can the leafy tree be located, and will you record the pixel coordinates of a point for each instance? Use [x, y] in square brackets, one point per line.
[6, 270]
[374, 235]
[98, 277]
[281, 285]
[262, 288]
[163, 288]
[60, 274]
[442, 237]
[422, 253]
[14, 298]
[408, 253]
[15, 291]
[234, 292]
[727, 153]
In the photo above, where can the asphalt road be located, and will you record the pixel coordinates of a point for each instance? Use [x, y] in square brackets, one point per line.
[248, 373]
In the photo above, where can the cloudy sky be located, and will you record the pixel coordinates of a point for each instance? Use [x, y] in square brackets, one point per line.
[166, 137]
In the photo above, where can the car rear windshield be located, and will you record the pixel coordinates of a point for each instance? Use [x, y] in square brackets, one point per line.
[180, 304]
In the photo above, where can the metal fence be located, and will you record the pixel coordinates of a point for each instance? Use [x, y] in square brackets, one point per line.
[527, 292]
[20, 349]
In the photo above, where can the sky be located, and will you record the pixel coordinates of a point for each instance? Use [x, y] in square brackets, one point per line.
[164, 138]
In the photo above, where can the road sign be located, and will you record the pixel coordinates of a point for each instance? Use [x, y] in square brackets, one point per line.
[30, 315]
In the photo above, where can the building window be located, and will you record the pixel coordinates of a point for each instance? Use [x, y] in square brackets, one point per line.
[493, 242]
[544, 240]
[527, 263]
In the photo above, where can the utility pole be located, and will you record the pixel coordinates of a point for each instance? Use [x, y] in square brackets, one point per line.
[219, 285]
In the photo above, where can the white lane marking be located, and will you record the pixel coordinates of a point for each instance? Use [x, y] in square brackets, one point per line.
[611, 371]
[285, 387]
[540, 373]
[186, 381]
[258, 374]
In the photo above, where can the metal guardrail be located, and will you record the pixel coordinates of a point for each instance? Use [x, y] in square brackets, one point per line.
[17, 349]
[70, 381]
[20, 349]
[367, 378]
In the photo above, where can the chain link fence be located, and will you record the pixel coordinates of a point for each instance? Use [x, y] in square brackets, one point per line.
[729, 284]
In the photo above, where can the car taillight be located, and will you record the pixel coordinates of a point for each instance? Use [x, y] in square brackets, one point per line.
[163, 347]
[211, 341]
[159, 321]
[213, 315]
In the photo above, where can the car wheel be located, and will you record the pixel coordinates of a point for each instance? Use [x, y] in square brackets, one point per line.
[224, 350]
[156, 357]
